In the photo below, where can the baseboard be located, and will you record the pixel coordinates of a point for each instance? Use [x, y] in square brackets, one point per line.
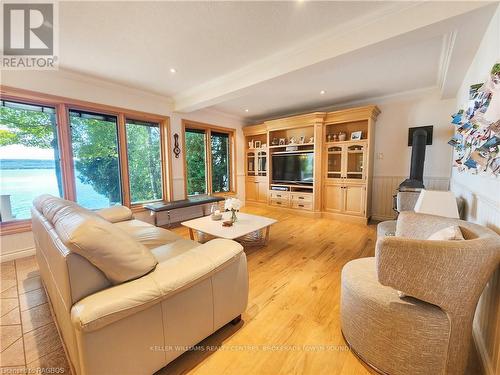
[22, 253]
[382, 218]
[481, 349]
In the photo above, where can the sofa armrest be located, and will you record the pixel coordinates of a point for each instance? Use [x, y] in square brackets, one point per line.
[172, 276]
[115, 214]
[444, 273]
[110, 305]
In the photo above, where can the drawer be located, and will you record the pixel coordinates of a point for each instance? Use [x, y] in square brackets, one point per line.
[280, 202]
[279, 194]
[301, 197]
[302, 205]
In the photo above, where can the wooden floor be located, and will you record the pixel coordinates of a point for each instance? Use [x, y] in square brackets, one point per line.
[291, 325]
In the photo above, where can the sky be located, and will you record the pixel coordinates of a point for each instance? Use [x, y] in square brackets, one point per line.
[23, 152]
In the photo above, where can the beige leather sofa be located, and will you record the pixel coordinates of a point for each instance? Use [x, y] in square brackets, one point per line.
[428, 331]
[129, 297]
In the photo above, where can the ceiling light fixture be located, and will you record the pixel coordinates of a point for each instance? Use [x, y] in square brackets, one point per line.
[322, 92]
[246, 110]
[173, 70]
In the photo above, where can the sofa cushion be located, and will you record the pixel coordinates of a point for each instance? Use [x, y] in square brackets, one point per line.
[173, 249]
[147, 234]
[115, 214]
[113, 251]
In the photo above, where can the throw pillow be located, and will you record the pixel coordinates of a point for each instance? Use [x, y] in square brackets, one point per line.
[452, 233]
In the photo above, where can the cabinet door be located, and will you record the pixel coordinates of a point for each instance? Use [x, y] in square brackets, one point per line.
[333, 198]
[251, 167]
[262, 163]
[251, 190]
[355, 199]
[355, 161]
[334, 162]
[262, 190]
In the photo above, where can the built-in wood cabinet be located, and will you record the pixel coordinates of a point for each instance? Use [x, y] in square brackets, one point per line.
[346, 199]
[342, 143]
[256, 189]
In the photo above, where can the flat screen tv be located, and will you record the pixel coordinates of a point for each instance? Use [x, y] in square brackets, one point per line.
[296, 168]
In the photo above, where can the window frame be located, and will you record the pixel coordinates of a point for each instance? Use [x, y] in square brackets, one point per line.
[208, 128]
[163, 158]
[62, 106]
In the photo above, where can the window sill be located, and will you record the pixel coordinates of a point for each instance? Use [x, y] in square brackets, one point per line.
[13, 227]
[225, 194]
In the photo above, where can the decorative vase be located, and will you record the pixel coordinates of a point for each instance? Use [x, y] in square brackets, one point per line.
[342, 136]
[233, 216]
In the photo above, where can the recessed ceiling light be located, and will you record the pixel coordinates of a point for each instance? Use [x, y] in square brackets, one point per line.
[322, 92]
[173, 70]
[246, 110]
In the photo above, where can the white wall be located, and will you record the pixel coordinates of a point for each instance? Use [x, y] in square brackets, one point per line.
[75, 86]
[482, 195]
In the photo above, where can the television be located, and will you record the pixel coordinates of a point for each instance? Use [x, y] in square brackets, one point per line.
[296, 168]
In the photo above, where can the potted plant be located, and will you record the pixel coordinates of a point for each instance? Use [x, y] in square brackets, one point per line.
[233, 205]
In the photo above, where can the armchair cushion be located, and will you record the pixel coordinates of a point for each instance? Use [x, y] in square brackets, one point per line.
[115, 214]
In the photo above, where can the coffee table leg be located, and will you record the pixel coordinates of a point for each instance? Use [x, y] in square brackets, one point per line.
[268, 229]
[191, 233]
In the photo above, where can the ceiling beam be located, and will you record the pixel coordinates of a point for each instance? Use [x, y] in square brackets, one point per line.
[387, 23]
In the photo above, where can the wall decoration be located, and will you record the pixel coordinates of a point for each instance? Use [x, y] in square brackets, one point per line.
[477, 137]
[177, 149]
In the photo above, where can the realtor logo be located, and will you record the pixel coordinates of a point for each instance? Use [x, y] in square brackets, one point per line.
[28, 29]
[29, 36]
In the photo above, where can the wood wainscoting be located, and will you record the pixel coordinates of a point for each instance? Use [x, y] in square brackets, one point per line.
[384, 187]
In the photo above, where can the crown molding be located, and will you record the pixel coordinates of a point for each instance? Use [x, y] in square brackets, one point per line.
[445, 58]
[110, 84]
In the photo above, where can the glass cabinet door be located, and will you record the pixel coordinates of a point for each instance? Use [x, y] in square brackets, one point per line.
[250, 163]
[262, 163]
[355, 161]
[334, 166]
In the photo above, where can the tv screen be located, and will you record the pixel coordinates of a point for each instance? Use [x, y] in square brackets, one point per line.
[293, 168]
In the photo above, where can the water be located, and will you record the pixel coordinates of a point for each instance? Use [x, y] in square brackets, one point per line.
[25, 179]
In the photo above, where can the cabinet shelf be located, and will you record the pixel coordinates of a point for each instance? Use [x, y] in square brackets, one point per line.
[344, 142]
[296, 144]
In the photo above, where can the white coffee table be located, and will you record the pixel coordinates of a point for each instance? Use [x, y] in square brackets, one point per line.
[245, 229]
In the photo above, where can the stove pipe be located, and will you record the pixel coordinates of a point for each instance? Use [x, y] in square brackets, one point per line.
[416, 180]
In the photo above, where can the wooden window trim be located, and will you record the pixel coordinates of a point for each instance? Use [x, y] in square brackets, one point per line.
[165, 160]
[208, 128]
[62, 106]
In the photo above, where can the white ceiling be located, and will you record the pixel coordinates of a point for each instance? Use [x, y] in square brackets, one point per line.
[272, 57]
[136, 43]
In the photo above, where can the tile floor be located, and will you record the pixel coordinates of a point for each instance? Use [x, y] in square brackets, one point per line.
[28, 337]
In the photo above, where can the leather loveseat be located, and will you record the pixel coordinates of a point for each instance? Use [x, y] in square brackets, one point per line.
[128, 297]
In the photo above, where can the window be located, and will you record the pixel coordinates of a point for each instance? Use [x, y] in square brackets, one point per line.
[144, 161]
[208, 153]
[96, 155]
[220, 162]
[94, 141]
[196, 156]
[29, 157]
